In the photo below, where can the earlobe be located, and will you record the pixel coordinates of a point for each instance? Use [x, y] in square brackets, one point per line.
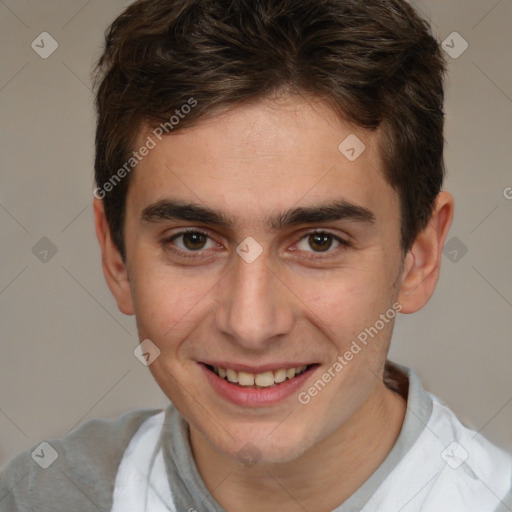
[114, 268]
[423, 261]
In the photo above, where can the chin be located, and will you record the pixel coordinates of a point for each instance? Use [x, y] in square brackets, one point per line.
[258, 445]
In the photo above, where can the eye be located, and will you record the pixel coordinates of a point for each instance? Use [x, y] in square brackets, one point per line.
[191, 241]
[320, 242]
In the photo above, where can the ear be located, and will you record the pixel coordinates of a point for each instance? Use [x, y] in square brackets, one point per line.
[114, 268]
[423, 261]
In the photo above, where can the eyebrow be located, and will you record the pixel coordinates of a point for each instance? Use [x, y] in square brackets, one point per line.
[168, 209]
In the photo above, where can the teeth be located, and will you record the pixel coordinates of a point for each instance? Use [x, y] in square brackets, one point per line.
[232, 376]
[262, 380]
[245, 379]
[279, 376]
[290, 373]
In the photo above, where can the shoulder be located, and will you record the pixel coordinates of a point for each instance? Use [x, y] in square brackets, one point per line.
[444, 464]
[75, 472]
[469, 464]
[469, 446]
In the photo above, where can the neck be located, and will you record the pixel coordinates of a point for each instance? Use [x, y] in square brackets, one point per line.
[320, 479]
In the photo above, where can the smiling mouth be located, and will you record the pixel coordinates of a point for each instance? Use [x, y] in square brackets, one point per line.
[262, 380]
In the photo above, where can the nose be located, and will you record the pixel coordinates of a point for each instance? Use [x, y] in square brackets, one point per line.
[255, 307]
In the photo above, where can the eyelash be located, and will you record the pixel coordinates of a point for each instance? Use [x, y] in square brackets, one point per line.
[167, 244]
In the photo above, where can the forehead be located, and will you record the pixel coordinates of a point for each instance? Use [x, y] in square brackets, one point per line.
[264, 157]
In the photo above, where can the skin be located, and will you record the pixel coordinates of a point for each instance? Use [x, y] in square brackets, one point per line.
[250, 163]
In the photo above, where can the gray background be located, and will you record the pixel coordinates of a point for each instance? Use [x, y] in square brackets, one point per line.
[66, 353]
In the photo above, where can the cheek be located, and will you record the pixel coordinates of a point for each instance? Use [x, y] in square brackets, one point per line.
[347, 307]
[167, 302]
[345, 299]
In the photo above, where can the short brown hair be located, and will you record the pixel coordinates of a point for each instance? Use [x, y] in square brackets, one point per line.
[374, 61]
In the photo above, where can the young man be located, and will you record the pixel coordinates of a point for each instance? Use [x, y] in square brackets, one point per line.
[268, 200]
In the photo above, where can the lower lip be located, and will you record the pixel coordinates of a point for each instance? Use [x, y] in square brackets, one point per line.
[253, 397]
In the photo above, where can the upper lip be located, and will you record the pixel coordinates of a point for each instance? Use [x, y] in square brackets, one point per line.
[255, 369]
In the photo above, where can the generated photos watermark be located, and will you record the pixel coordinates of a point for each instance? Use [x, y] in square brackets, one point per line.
[151, 142]
[305, 397]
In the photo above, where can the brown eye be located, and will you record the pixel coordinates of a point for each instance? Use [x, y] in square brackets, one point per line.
[320, 242]
[190, 241]
[317, 242]
[194, 241]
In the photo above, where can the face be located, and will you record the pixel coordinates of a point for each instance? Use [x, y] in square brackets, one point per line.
[254, 245]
